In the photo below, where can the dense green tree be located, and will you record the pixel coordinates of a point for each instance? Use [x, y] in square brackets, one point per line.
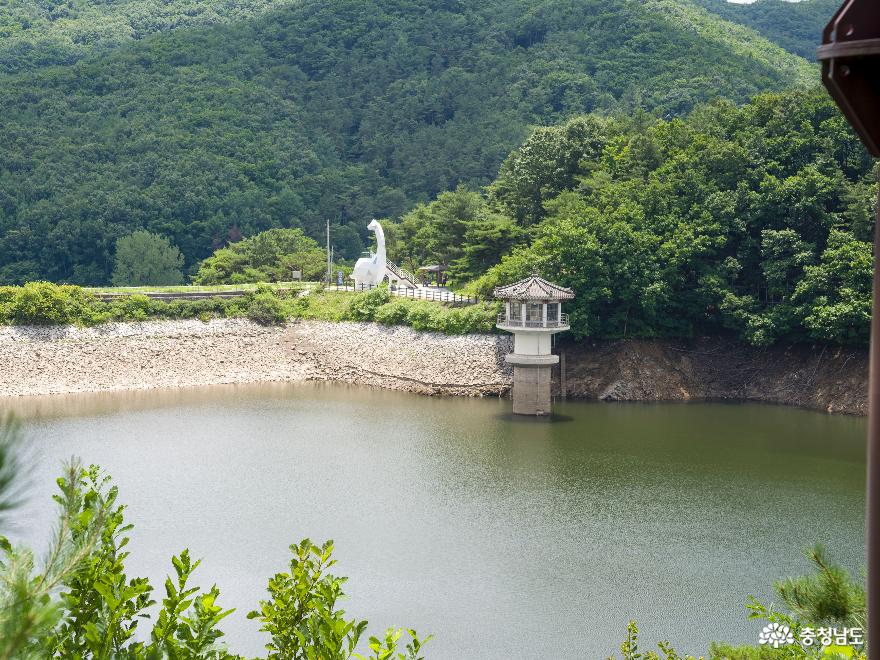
[144, 259]
[784, 255]
[487, 237]
[434, 233]
[835, 295]
[61, 32]
[270, 256]
[546, 165]
[754, 220]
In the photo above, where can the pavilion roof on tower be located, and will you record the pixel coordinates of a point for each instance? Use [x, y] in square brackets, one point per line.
[534, 288]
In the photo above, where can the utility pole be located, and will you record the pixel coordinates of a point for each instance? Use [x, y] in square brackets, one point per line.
[328, 253]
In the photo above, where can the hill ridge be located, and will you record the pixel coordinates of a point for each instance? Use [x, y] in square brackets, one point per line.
[348, 110]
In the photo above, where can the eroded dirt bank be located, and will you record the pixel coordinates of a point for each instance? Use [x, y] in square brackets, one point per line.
[36, 361]
[827, 378]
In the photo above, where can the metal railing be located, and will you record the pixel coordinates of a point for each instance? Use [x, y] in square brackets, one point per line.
[417, 294]
[504, 320]
[402, 273]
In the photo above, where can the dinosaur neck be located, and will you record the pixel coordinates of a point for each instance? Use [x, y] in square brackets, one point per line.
[380, 243]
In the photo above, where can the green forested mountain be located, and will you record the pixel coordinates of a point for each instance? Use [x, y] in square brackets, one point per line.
[755, 220]
[36, 33]
[796, 26]
[342, 110]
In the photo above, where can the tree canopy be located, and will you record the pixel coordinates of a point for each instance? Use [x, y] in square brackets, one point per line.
[754, 220]
[128, 115]
[796, 26]
[270, 256]
[144, 259]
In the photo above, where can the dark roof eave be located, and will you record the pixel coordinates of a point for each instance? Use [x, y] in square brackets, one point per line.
[534, 288]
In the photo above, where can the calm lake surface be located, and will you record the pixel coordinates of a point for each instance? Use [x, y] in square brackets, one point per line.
[505, 538]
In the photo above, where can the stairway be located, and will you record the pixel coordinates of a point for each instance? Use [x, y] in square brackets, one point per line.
[402, 274]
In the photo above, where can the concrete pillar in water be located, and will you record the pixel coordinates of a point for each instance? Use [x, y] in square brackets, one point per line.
[531, 389]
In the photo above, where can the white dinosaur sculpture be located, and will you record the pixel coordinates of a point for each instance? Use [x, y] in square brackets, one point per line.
[370, 271]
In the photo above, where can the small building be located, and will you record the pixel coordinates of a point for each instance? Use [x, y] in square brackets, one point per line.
[533, 313]
[437, 272]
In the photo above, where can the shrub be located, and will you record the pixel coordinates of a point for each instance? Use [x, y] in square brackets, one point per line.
[629, 650]
[363, 306]
[202, 308]
[7, 295]
[44, 303]
[137, 307]
[726, 652]
[474, 318]
[83, 604]
[393, 313]
[424, 315]
[266, 309]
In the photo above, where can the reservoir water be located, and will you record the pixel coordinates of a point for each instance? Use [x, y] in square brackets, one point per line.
[505, 538]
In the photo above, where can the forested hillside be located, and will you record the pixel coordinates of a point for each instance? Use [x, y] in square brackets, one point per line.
[342, 110]
[755, 220]
[796, 26]
[46, 32]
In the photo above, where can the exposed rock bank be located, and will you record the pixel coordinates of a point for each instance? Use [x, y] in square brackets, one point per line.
[117, 356]
[400, 358]
[192, 353]
[827, 378]
[57, 360]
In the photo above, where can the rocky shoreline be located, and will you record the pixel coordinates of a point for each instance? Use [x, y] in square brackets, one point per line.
[166, 354]
[155, 354]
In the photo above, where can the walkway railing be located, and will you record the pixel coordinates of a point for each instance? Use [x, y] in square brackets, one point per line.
[402, 274]
[503, 320]
[417, 294]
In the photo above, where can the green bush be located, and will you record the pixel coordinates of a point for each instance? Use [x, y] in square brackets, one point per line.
[83, 604]
[7, 295]
[266, 309]
[393, 313]
[44, 303]
[363, 306]
[474, 318]
[718, 651]
[429, 316]
[424, 315]
[215, 307]
[137, 307]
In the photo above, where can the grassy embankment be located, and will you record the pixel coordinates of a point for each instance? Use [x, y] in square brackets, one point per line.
[196, 288]
[43, 303]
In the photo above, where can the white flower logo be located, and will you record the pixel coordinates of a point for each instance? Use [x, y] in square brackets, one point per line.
[775, 635]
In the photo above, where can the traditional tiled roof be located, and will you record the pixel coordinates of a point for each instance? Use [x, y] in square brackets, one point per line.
[534, 288]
